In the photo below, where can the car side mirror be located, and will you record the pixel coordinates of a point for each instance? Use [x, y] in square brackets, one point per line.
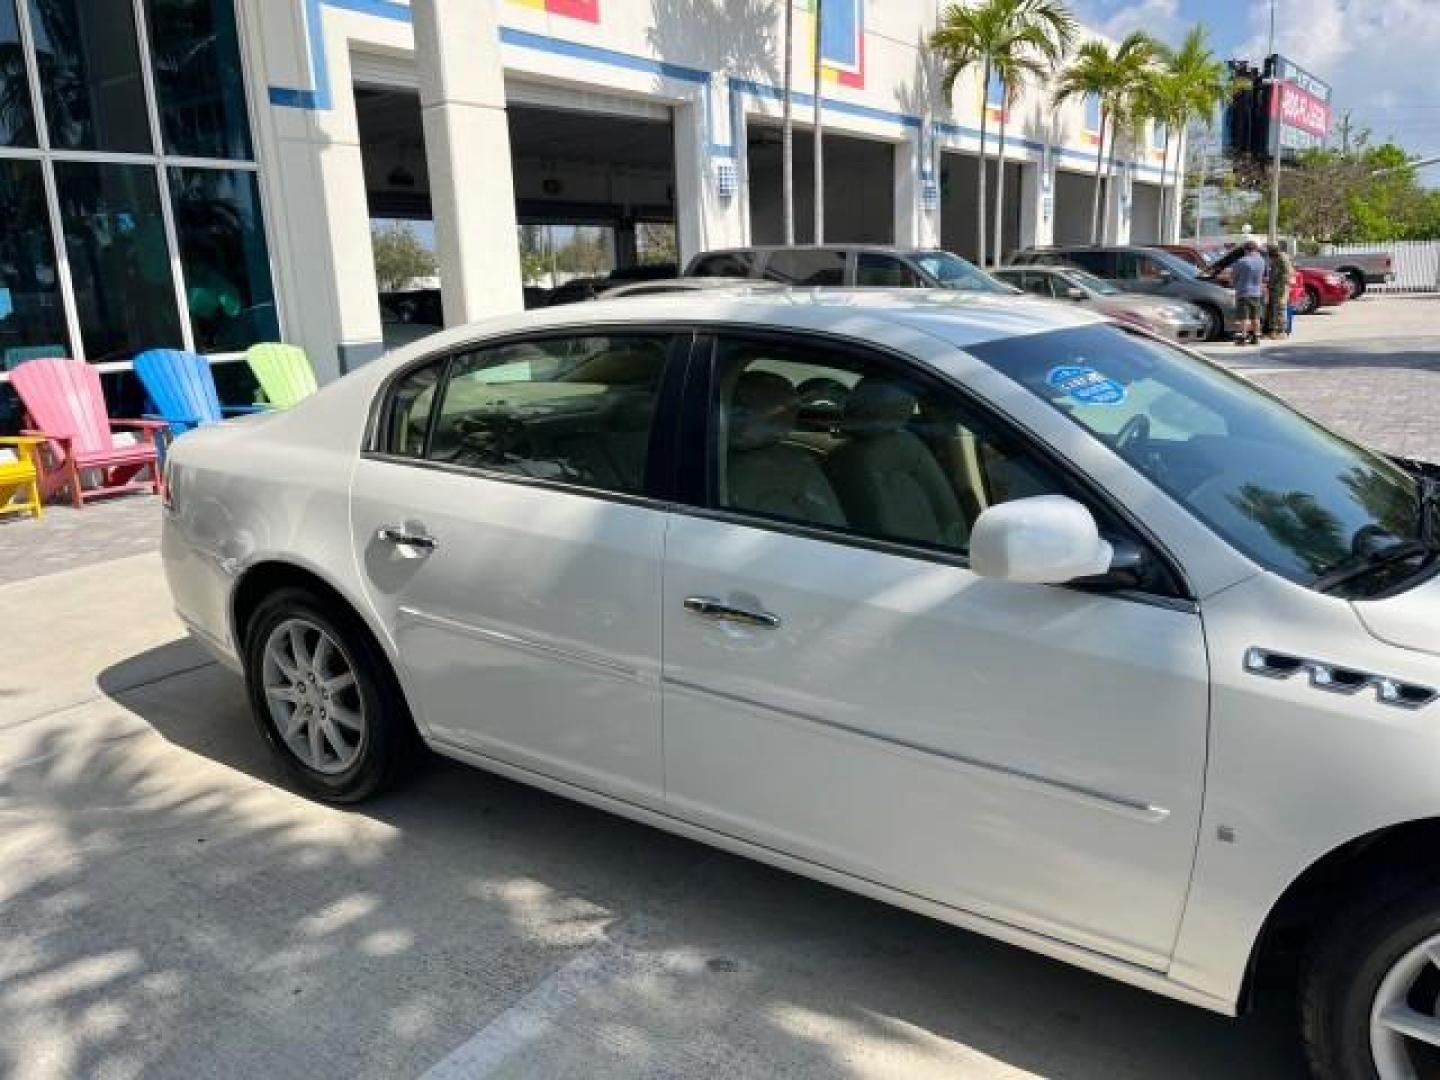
[1073, 293]
[1042, 540]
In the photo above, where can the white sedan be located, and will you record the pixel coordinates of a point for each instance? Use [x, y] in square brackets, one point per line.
[975, 604]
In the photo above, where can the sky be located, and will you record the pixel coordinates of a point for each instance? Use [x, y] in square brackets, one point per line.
[1379, 56]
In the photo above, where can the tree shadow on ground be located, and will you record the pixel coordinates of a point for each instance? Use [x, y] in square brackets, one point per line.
[171, 910]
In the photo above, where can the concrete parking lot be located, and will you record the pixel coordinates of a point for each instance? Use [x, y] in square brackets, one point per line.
[168, 908]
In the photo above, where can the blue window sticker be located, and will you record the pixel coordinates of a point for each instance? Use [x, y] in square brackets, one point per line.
[1086, 385]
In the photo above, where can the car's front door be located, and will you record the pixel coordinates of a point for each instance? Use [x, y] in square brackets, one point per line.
[837, 684]
[502, 524]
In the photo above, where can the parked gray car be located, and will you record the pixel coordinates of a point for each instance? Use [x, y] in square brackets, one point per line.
[1144, 270]
[1177, 320]
[862, 265]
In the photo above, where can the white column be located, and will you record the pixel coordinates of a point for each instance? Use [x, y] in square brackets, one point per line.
[694, 213]
[1037, 203]
[318, 221]
[467, 151]
[916, 224]
[1121, 202]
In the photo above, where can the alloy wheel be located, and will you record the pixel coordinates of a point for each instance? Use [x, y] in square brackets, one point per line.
[1405, 1018]
[311, 692]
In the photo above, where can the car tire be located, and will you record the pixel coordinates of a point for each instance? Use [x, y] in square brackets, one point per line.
[1363, 959]
[1311, 303]
[1214, 323]
[336, 719]
[1357, 283]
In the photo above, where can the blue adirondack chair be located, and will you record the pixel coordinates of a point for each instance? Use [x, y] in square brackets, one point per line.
[182, 390]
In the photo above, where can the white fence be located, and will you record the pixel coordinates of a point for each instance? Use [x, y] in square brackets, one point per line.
[1416, 263]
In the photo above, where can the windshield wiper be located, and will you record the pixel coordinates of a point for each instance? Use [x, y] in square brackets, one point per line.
[1374, 559]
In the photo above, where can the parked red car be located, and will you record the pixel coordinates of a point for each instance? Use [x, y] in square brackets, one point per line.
[1322, 288]
[1314, 287]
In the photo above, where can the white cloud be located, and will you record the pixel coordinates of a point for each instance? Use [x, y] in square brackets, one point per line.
[1378, 55]
[1116, 18]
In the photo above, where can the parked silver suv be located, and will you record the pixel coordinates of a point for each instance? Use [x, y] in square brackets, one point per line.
[1145, 270]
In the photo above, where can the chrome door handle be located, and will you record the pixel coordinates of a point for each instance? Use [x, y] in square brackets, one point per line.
[400, 536]
[708, 607]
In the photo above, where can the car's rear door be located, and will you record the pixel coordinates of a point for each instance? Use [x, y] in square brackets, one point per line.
[839, 686]
[505, 523]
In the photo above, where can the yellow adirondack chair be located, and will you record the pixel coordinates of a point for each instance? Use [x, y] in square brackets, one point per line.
[283, 372]
[20, 479]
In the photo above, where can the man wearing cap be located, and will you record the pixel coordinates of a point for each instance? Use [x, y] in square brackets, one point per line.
[1247, 278]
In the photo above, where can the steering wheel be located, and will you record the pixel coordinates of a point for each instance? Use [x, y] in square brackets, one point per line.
[1133, 435]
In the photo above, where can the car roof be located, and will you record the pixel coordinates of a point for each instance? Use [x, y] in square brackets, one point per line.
[957, 317]
[891, 249]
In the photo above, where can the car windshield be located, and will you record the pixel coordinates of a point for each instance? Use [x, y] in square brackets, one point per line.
[1298, 499]
[953, 272]
[1091, 283]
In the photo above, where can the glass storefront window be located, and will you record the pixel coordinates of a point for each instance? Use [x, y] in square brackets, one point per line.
[119, 262]
[32, 318]
[195, 51]
[17, 118]
[90, 79]
[223, 258]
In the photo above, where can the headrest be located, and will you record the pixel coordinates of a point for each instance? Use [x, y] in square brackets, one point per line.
[877, 406]
[762, 410]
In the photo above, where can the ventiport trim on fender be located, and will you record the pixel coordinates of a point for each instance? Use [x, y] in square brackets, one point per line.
[1336, 679]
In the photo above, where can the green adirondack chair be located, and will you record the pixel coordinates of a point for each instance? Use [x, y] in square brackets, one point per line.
[283, 372]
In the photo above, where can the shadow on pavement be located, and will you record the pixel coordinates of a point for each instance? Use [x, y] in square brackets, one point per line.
[1421, 354]
[179, 914]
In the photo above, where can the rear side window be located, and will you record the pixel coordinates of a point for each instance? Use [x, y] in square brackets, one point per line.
[806, 266]
[724, 264]
[408, 416]
[576, 409]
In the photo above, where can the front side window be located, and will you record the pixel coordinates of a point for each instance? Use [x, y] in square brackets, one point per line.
[1085, 280]
[576, 409]
[953, 272]
[1296, 498]
[724, 264]
[872, 268]
[1103, 264]
[809, 434]
[806, 266]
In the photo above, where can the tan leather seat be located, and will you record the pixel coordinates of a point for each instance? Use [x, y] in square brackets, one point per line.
[888, 481]
[764, 474]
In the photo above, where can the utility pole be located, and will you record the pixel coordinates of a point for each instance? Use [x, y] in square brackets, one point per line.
[1344, 125]
[1277, 113]
[819, 136]
[787, 128]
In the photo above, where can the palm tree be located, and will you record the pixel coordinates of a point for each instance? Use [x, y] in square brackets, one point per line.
[1193, 85]
[964, 38]
[1115, 79]
[1043, 31]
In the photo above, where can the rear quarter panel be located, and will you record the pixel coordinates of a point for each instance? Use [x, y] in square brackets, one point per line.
[275, 487]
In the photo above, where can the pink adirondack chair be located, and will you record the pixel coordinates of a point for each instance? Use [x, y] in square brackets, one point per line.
[66, 406]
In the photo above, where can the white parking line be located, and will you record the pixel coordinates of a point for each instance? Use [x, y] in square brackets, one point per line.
[536, 1013]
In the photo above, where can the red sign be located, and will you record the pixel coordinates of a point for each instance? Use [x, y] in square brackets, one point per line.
[1303, 110]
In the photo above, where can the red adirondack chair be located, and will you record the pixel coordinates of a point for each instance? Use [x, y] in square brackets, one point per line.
[66, 406]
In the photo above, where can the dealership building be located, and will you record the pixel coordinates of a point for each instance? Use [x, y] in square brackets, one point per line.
[205, 173]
